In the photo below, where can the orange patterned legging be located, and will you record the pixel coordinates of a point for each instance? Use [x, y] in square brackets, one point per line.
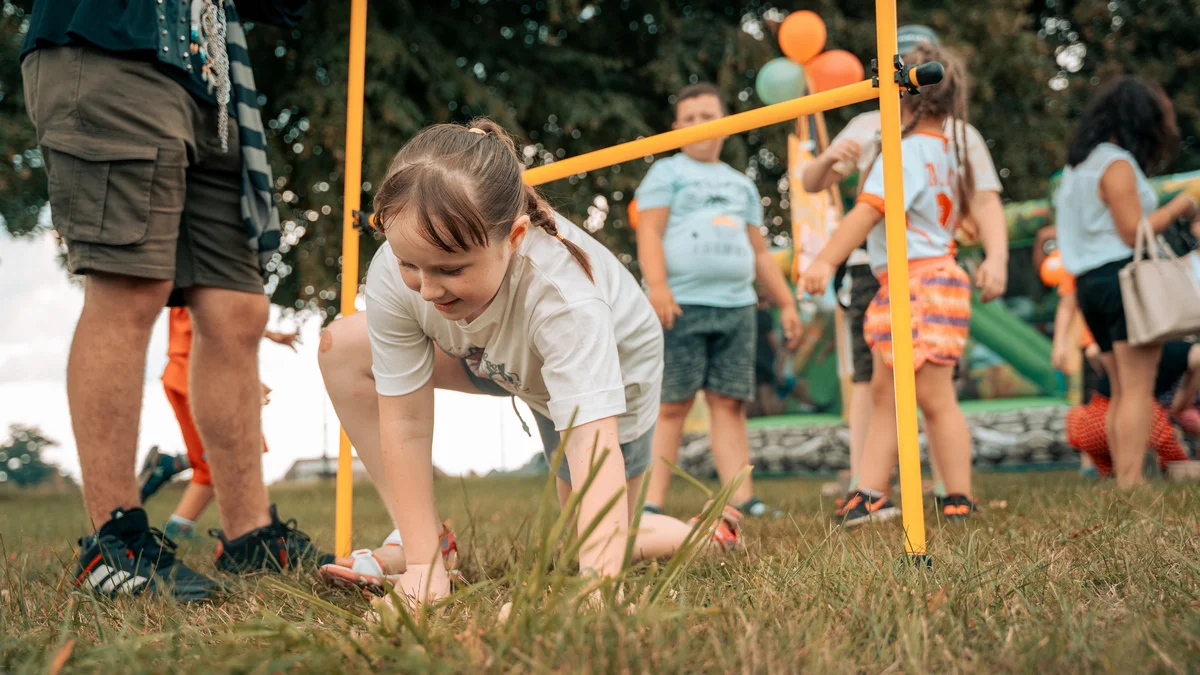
[1087, 432]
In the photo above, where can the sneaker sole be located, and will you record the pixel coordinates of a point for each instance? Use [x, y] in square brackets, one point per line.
[877, 517]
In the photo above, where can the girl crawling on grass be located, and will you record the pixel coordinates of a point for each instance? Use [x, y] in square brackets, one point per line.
[481, 288]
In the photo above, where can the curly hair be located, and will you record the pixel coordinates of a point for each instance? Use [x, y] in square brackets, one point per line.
[1134, 114]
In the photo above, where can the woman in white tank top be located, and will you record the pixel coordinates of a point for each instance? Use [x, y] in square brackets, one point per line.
[1128, 129]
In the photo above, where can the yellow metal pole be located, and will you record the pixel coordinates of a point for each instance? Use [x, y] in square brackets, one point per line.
[911, 505]
[353, 196]
[726, 126]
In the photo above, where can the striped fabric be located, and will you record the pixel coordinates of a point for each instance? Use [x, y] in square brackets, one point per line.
[234, 84]
[941, 315]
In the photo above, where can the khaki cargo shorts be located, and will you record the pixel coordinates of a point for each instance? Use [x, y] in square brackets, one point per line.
[138, 183]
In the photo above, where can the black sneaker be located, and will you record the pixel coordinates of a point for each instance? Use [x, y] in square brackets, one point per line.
[861, 508]
[158, 470]
[958, 508]
[274, 548]
[127, 557]
[756, 508]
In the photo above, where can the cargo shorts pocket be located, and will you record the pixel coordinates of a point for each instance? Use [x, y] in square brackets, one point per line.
[100, 186]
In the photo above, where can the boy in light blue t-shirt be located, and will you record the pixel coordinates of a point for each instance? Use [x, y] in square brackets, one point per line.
[700, 248]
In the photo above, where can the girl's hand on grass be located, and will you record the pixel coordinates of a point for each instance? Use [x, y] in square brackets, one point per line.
[816, 278]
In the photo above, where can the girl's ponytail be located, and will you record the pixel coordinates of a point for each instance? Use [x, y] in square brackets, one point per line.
[541, 216]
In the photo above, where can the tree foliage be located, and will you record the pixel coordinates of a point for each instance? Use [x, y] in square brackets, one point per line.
[21, 457]
[569, 76]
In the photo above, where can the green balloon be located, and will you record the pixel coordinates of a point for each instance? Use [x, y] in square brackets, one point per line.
[779, 80]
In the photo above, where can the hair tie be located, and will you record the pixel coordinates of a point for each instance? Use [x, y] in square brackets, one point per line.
[481, 132]
[558, 235]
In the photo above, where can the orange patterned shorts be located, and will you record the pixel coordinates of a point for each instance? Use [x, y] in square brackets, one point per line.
[940, 295]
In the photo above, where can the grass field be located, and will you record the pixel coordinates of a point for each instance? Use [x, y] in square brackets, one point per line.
[1057, 575]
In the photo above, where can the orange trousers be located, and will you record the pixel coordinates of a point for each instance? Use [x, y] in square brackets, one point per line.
[201, 474]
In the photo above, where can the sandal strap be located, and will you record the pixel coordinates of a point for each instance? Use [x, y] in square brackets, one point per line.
[366, 563]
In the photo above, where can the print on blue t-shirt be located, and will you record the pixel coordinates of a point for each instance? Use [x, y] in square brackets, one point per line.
[709, 257]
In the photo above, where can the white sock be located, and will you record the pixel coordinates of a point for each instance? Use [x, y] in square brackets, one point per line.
[394, 538]
[180, 520]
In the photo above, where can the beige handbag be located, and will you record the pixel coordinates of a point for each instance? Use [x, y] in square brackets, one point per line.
[1161, 297]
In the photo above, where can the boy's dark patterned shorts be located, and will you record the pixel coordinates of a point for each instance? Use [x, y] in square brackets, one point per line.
[710, 349]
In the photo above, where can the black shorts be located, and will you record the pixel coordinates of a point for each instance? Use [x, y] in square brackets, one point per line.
[863, 288]
[1098, 292]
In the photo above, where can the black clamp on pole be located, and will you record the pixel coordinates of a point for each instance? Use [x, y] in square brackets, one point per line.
[362, 221]
[912, 78]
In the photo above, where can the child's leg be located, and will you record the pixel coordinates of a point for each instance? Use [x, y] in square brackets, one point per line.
[861, 409]
[344, 357]
[195, 499]
[879, 456]
[668, 435]
[730, 442]
[658, 536]
[946, 425]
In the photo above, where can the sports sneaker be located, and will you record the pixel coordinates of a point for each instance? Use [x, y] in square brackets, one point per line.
[367, 571]
[958, 507]
[127, 557]
[176, 530]
[756, 508]
[861, 508]
[728, 531]
[158, 470]
[274, 548]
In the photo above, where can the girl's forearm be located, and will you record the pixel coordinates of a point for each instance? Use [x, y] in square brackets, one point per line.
[850, 234]
[988, 211]
[406, 438]
[604, 550]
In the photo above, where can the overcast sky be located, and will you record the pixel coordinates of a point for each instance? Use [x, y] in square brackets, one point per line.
[40, 307]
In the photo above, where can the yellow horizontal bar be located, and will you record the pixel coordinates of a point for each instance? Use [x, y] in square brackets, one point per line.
[726, 126]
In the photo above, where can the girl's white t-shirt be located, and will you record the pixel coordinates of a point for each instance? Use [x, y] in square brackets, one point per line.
[929, 208]
[864, 130]
[567, 347]
[1087, 236]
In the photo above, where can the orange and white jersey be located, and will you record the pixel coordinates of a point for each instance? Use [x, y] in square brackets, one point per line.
[930, 171]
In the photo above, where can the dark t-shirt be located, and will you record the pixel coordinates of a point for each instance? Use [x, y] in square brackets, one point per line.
[1171, 368]
[137, 28]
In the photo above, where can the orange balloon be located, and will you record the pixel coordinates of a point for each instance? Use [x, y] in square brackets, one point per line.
[1052, 270]
[802, 36]
[833, 69]
[633, 214]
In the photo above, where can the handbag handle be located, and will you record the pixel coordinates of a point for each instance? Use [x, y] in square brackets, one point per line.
[1146, 242]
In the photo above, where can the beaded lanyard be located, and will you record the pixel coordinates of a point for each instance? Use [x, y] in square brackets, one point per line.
[208, 41]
